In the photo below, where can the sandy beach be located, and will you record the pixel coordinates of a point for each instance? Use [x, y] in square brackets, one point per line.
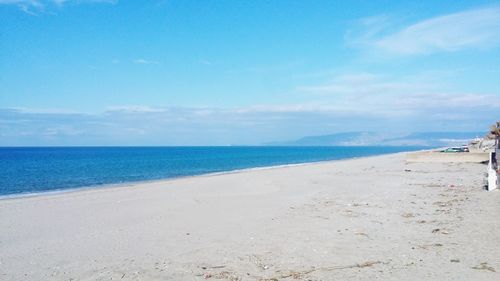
[361, 219]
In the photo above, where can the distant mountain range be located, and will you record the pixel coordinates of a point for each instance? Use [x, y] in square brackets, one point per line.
[433, 139]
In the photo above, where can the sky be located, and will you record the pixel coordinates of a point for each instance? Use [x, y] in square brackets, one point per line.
[167, 72]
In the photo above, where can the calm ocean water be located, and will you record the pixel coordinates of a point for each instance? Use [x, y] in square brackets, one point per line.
[32, 170]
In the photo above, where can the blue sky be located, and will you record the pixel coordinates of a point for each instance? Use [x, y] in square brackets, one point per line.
[90, 72]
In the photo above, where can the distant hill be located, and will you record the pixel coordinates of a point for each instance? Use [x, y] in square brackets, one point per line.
[434, 139]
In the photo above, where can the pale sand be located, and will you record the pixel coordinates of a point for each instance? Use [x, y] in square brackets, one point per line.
[436, 156]
[360, 219]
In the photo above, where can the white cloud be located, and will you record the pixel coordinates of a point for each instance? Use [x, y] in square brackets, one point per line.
[35, 6]
[45, 110]
[385, 95]
[147, 125]
[357, 84]
[63, 130]
[144, 61]
[18, 1]
[476, 28]
[135, 109]
[452, 101]
[366, 84]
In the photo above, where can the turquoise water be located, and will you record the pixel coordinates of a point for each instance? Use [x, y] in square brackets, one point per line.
[33, 170]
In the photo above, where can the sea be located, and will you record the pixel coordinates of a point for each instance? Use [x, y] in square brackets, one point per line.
[34, 170]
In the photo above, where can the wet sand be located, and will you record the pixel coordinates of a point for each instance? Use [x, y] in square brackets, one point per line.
[361, 219]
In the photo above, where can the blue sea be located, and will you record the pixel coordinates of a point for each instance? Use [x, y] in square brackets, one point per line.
[40, 169]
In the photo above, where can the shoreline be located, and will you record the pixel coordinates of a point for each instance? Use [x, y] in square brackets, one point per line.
[131, 184]
[370, 218]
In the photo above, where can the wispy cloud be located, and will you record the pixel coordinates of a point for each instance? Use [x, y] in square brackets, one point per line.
[27, 6]
[388, 95]
[205, 62]
[148, 125]
[135, 109]
[36, 6]
[476, 28]
[144, 61]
